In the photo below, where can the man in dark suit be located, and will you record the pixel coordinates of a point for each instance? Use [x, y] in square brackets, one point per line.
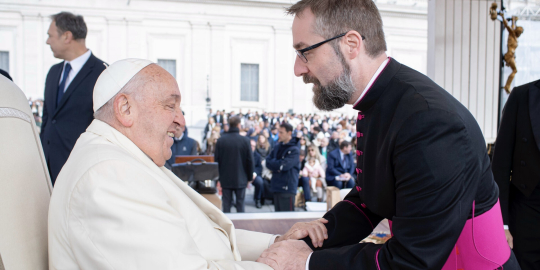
[333, 141]
[516, 168]
[69, 86]
[235, 161]
[258, 182]
[340, 167]
[421, 156]
[218, 117]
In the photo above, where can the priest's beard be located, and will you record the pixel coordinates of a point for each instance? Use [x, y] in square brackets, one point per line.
[336, 93]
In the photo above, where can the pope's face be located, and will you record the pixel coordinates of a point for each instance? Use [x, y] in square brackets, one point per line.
[159, 115]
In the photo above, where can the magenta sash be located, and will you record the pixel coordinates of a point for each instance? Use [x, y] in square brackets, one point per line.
[481, 245]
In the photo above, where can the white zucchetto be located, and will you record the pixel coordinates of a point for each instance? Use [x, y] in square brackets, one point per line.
[114, 78]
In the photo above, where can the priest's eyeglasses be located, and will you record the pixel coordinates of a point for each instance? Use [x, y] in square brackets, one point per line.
[301, 52]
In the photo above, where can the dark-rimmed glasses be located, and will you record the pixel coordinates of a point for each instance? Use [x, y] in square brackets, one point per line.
[301, 52]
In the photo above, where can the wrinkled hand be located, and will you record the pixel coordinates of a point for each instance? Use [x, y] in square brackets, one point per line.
[286, 255]
[509, 238]
[315, 229]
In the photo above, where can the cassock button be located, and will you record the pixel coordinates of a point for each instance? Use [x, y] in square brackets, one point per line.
[360, 116]
[522, 163]
[524, 139]
[363, 205]
[358, 188]
[359, 134]
[523, 186]
[359, 153]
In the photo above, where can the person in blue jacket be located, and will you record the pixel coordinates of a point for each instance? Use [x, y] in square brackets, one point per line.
[257, 175]
[284, 162]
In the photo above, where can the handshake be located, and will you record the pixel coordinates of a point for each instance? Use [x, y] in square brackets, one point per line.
[290, 253]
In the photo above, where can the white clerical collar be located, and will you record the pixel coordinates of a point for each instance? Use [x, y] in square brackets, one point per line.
[375, 76]
[78, 63]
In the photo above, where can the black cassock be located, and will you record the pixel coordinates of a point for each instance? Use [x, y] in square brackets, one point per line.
[422, 161]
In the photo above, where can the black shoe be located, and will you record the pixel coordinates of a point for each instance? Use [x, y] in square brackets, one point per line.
[262, 201]
[258, 204]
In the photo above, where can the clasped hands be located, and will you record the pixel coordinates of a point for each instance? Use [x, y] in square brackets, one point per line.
[290, 253]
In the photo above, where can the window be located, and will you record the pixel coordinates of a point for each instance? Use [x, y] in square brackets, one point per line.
[169, 65]
[249, 85]
[4, 61]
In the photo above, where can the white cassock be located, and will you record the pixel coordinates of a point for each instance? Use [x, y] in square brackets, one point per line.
[113, 208]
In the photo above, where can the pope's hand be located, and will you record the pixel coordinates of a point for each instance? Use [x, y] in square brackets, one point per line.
[286, 255]
[314, 229]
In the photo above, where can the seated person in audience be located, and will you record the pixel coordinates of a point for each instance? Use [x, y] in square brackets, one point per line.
[340, 167]
[323, 148]
[263, 146]
[182, 146]
[313, 152]
[115, 206]
[303, 180]
[315, 172]
[257, 175]
[333, 142]
[211, 142]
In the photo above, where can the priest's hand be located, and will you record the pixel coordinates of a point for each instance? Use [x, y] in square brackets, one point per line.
[286, 255]
[314, 229]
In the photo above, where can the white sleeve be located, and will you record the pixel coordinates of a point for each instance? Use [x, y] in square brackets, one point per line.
[119, 219]
[252, 244]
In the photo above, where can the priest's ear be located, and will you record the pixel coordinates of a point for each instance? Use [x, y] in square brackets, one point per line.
[353, 42]
[123, 110]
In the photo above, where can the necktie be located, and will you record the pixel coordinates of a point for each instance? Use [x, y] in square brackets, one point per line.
[344, 161]
[62, 85]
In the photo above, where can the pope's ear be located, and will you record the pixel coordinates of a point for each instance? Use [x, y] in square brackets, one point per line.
[123, 110]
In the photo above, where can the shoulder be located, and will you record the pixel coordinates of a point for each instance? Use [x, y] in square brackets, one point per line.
[55, 68]
[190, 140]
[99, 65]
[435, 125]
[293, 150]
[520, 92]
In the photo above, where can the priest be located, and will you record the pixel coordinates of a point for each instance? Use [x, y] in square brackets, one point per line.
[421, 156]
[115, 205]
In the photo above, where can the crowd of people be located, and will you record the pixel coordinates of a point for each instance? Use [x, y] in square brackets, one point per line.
[323, 158]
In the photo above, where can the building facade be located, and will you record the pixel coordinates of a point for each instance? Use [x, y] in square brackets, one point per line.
[237, 53]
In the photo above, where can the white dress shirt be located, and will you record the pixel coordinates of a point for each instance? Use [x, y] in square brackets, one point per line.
[370, 83]
[76, 66]
[375, 76]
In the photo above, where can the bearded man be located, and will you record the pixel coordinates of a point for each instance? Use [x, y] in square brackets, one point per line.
[421, 157]
[115, 205]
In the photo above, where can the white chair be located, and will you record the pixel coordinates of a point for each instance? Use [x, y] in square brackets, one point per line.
[25, 187]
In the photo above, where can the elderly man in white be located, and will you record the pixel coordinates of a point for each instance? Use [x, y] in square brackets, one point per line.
[115, 206]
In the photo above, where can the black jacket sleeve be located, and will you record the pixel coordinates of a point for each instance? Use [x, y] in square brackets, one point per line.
[436, 172]
[504, 152]
[249, 162]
